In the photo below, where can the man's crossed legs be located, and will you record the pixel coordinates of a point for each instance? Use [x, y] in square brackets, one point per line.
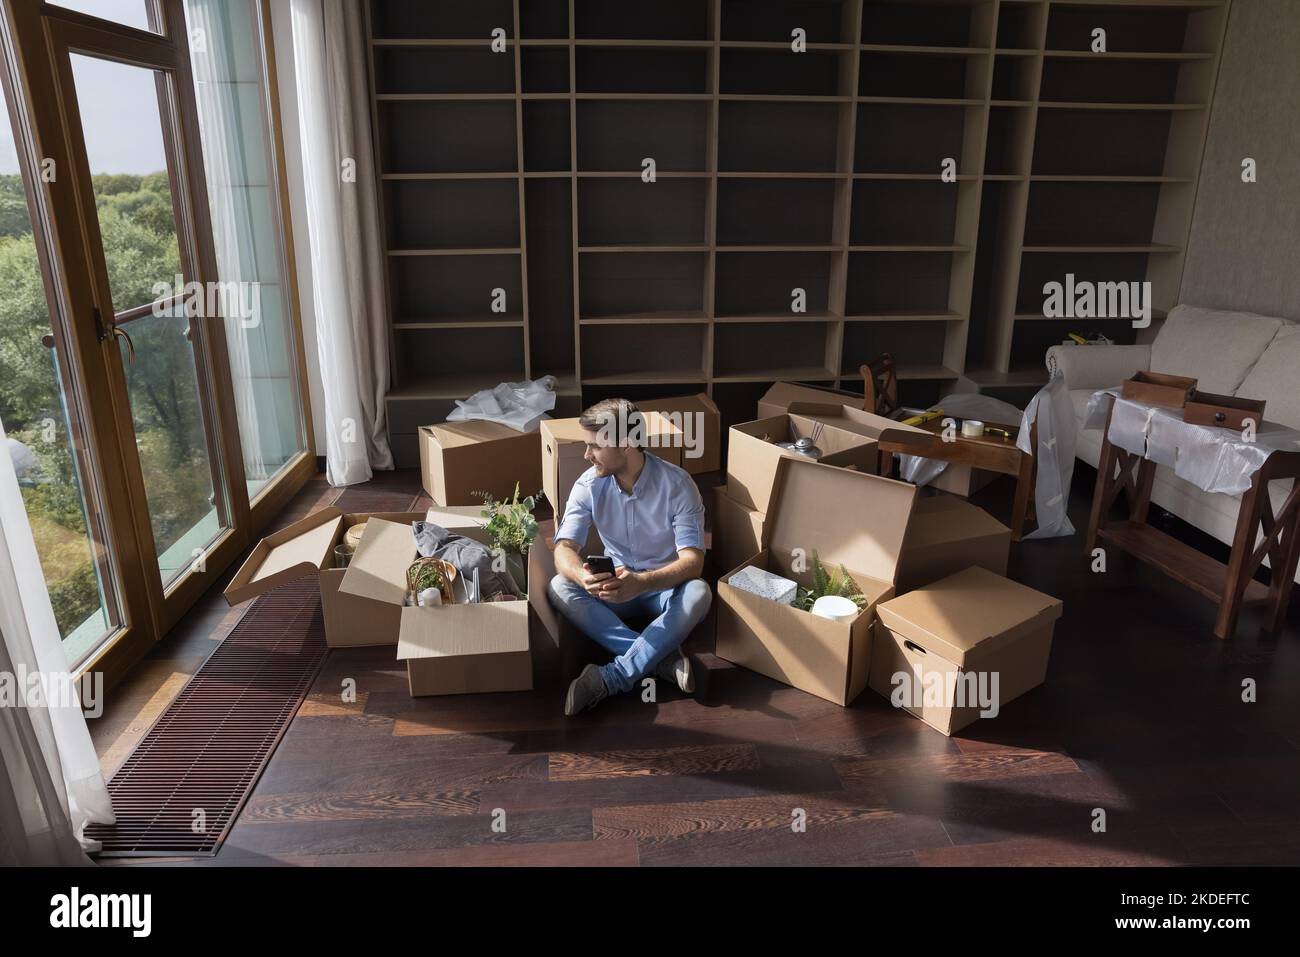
[676, 612]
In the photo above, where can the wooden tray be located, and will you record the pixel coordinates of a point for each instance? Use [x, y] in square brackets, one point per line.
[1159, 389]
[1223, 411]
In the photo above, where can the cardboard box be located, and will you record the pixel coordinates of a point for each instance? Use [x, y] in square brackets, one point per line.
[737, 530]
[956, 479]
[564, 443]
[707, 438]
[851, 518]
[448, 649]
[461, 460]
[752, 460]
[955, 634]
[306, 548]
[949, 534]
[777, 400]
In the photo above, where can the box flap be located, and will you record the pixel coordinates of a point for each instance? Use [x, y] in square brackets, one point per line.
[564, 430]
[973, 610]
[783, 393]
[851, 518]
[449, 631]
[872, 424]
[452, 435]
[816, 410]
[457, 516]
[294, 551]
[378, 569]
[569, 430]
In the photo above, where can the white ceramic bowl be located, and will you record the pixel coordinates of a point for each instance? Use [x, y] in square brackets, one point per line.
[835, 607]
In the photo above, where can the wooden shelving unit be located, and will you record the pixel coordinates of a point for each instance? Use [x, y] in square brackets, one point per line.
[1102, 153]
[521, 173]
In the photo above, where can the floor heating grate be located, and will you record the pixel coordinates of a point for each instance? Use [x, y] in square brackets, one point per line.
[374, 500]
[179, 791]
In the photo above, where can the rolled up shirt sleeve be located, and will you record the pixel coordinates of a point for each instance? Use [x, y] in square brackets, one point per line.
[577, 520]
[688, 518]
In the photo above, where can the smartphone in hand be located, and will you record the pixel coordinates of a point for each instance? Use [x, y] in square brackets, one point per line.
[600, 564]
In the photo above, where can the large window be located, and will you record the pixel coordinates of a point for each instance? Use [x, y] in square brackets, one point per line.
[45, 442]
[150, 381]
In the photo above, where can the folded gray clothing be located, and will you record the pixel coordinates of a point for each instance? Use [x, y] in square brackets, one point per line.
[434, 541]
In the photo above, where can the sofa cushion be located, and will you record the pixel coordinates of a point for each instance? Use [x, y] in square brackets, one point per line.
[1274, 378]
[1216, 346]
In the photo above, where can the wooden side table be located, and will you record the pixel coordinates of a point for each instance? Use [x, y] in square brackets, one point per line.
[1231, 586]
[993, 453]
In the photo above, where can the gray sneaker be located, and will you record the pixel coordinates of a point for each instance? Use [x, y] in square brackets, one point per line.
[586, 691]
[676, 668]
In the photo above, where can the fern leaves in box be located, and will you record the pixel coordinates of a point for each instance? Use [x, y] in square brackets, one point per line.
[836, 581]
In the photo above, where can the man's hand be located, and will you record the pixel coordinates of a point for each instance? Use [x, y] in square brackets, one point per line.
[623, 586]
[594, 582]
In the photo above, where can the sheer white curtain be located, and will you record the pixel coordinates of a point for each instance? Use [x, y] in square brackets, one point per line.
[50, 783]
[230, 201]
[343, 225]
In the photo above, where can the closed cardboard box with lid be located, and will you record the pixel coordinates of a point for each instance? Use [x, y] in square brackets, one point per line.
[942, 645]
[459, 461]
[564, 445]
[848, 518]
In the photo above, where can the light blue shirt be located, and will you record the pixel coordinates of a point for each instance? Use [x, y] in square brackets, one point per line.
[641, 530]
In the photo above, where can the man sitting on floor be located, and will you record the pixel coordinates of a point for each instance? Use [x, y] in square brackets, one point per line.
[650, 516]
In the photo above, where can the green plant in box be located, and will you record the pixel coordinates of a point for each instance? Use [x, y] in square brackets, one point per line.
[836, 581]
[511, 528]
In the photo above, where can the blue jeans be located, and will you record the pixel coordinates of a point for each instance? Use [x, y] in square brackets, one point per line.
[676, 610]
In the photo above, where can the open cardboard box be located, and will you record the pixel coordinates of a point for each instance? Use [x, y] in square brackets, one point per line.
[448, 649]
[949, 534]
[564, 443]
[708, 437]
[752, 460]
[851, 518]
[459, 461]
[957, 632]
[306, 548]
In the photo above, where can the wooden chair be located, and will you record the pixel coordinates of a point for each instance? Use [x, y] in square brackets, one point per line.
[880, 386]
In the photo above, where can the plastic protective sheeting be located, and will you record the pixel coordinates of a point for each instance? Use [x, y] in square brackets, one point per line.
[966, 405]
[1052, 409]
[1212, 459]
[520, 405]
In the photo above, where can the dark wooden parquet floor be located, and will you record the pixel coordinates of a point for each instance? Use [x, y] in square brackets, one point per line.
[1142, 717]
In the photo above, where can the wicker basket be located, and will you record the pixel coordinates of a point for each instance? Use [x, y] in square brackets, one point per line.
[448, 576]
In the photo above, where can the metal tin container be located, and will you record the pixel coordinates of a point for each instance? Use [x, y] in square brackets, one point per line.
[803, 446]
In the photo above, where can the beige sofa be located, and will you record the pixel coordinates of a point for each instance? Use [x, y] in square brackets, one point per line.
[1230, 353]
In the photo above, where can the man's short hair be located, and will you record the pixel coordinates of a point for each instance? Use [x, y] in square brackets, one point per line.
[617, 419]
